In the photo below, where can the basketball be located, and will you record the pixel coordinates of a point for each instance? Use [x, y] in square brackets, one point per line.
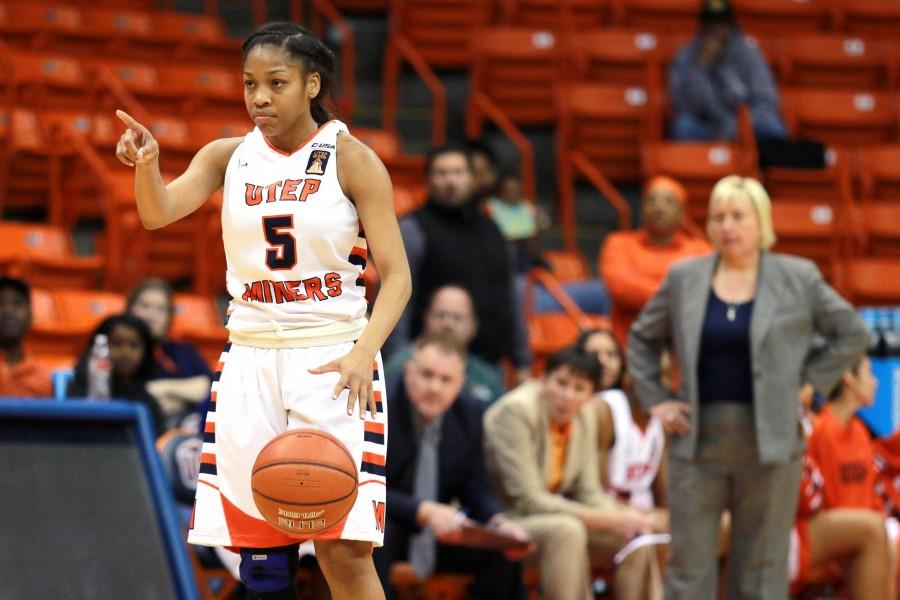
[304, 482]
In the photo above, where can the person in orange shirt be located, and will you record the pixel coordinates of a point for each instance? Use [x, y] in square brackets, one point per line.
[845, 451]
[842, 446]
[634, 263]
[20, 375]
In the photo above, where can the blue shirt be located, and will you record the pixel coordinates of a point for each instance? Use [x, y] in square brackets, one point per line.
[179, 360]
[724, 370]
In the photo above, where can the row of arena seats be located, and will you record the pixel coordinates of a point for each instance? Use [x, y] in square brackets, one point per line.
[92, 29]
[856, 16]
[867, 173]
[64, 318]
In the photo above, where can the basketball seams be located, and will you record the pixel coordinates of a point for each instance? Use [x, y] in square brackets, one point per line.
[315, 432]
[305, 462]
[279, 501]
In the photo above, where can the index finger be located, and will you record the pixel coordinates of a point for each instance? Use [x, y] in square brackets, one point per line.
[129, 120]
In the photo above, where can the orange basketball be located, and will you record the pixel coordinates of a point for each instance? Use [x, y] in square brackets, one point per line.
[304, 482]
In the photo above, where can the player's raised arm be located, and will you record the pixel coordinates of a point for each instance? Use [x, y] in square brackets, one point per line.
[159, 204]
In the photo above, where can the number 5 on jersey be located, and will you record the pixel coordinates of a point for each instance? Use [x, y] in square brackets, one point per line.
[282, 255]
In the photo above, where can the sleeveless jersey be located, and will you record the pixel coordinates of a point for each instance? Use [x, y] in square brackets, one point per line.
[294, 246]
[634, 459]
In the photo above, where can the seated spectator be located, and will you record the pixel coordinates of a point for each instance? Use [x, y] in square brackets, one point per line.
[854, 538]
[181, 378]
[840, 444]
[451, 312]
[634, 263]
[844, 451]
[485, 170]
[518, 220]
[20, 375]
[631, 443]
[450, 241]
[713, 74]
[540, 444]
[434, 465]
[131, 354]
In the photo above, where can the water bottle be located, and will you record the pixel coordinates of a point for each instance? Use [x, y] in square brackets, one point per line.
[99, 371]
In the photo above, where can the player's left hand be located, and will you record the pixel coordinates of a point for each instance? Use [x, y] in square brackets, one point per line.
[355, 368]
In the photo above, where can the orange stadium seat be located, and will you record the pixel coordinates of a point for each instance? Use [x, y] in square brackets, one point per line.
[408, 199]
[781, 16]
[49, 80]
[698, 166]
[617, 56]
[513, 84]
[600, 132]
[830, 183]
[206, 90]
[35, 20]
[405, 169]
[175, 136]
[567, 266]
[658, 15]
[144, 81]
[606, 124]
[841, 117]
[43, 255]
[809, 229]
[440, 30]
[199, 38]
[28, 162]
[197, 320]
[549, 332]
[871, 281]
[76, 314]
[557, 15]
[79, 194]
[870, 17]
[205, 130]
[429, 35]
[878, 172]
[833, 61]
[513, 73]
[94, 30]
[879, 229]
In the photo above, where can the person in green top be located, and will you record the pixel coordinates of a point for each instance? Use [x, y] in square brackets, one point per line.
[451, 311]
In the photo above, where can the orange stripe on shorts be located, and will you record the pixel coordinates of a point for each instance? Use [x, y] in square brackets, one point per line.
[375, 459]
[374, 427]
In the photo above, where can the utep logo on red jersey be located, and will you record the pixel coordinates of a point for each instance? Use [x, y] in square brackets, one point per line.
[287, 190]
[378, 509]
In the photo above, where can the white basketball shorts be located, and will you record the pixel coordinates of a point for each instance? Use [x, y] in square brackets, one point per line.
[258, 393]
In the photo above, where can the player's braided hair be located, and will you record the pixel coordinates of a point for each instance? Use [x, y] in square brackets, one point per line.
[303, 46]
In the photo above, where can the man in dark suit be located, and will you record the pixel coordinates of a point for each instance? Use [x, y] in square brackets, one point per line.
[434, 459]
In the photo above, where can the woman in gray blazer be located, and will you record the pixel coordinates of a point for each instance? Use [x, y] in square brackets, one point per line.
[741, 323]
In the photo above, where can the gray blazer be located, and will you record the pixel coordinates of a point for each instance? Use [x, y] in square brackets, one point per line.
[792, 305]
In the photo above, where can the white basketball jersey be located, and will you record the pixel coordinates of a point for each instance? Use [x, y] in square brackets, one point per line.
[294, 246]
[634, 459]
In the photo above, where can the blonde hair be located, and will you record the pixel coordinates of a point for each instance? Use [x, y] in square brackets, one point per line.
[751, 189]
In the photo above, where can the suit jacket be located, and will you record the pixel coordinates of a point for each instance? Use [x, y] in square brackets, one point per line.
[462, 474]
[518, 453]
[793, 306]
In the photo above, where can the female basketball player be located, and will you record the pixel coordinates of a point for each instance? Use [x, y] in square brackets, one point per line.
[303, 200]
